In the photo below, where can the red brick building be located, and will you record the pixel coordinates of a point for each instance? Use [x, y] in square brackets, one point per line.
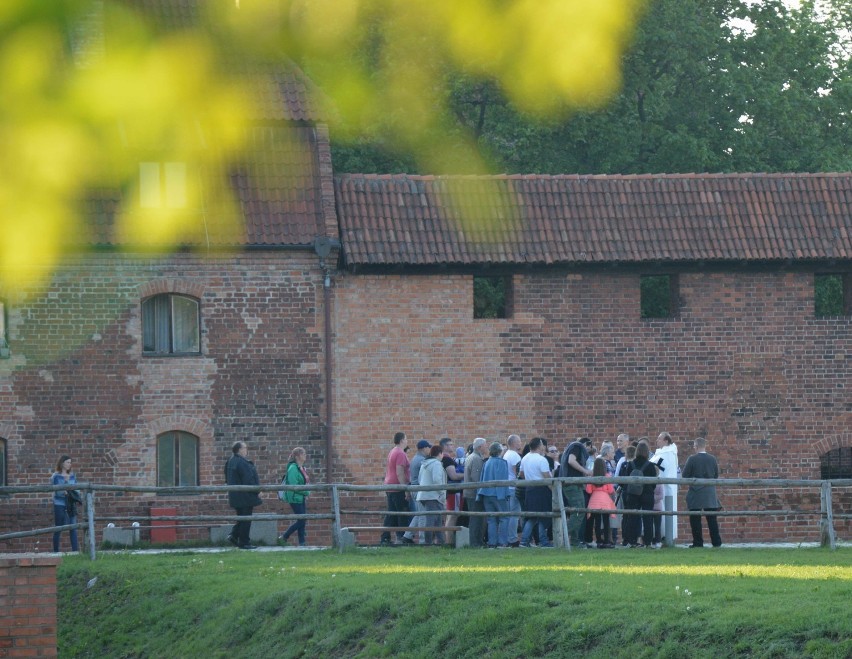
[147, 368]
[741, 358]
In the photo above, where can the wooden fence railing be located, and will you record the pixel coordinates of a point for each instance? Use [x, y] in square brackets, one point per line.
[559, 512]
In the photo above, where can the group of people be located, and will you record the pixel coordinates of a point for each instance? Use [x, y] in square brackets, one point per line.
[416, 518]
[239, 470]
[489, 464]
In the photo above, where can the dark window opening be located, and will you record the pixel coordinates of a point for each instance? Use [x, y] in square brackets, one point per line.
[837, 463]
[177, 459]
[170, 325]
[492, 297]
[658, 296]
[832, 295]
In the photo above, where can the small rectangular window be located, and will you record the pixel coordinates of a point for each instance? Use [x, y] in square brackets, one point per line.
[170, 325]
[658, 296]
[832, 295]
[492, 297]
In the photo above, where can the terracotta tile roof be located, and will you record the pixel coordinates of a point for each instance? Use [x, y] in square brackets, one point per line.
[423, 220]
[278, 189]
[281, 90]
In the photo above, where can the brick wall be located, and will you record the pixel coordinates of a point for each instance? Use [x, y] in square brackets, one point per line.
[745, 364]
[28, 605]
[77, 382]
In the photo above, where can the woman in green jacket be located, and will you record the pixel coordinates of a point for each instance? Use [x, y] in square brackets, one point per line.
[296, 475]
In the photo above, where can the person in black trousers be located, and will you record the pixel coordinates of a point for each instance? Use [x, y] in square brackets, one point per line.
[240, 471]
[702, 497]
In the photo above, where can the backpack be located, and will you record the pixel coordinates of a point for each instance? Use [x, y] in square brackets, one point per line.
[635, 489]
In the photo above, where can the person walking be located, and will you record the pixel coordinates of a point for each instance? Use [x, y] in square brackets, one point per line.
[64, 502]
[296, 475]
[702, 498]
[241, 471]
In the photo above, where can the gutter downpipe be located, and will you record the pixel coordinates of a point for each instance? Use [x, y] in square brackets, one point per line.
[323, 246]
[329, 417]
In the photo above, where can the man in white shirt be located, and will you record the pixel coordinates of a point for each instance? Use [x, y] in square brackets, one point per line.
[535, 467]
[514, 459]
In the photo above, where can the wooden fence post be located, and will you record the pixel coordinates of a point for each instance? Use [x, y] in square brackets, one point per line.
[826, 536]
[562, 527]
[90, 513]
[335, 525]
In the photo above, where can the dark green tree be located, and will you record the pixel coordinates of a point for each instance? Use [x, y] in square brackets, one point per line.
[708, 86]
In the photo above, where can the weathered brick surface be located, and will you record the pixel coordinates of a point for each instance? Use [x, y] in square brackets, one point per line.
[77, 382]
[27, 623]
[745, 364]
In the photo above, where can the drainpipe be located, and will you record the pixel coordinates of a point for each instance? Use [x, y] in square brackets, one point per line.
[323, 247]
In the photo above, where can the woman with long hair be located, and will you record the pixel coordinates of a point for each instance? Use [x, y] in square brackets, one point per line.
[64, 502]
[296, 475]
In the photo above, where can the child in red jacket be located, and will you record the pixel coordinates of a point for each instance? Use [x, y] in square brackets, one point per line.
[601, 499]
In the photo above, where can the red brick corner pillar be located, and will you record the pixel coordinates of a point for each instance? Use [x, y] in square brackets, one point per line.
[28, 605]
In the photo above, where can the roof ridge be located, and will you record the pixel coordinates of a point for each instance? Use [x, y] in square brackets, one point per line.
[576, 177]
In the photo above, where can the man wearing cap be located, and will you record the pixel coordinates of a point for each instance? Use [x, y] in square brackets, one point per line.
[397, 473]
[473, 474]
[418, 520]
[573, 465]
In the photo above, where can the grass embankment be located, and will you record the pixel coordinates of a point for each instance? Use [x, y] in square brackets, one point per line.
[477, 603]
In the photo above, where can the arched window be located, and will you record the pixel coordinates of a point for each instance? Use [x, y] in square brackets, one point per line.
[170, 325]
[2, 462]
[836, 463]
[177, 459]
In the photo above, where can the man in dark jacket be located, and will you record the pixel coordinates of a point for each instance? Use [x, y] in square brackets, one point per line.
[702, 497]
[240, 471]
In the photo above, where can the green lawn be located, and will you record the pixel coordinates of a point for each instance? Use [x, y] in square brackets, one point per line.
[421, 602]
